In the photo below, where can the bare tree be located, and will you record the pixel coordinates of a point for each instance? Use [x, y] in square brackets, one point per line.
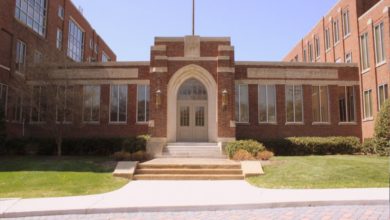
[50, 101]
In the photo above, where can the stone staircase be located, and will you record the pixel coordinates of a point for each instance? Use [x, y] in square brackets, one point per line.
[188, 172]
[192, 150]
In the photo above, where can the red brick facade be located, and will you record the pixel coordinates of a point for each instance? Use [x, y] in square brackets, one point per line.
[364, 16]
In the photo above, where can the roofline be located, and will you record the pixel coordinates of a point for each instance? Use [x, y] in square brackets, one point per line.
[110, 64]
[372, 8]
[293, 64]
[181, 39]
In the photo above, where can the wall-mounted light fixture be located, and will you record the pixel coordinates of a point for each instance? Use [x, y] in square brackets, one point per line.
[158, 98]
[225, 98]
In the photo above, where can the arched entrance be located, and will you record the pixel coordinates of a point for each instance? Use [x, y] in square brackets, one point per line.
[178, 79]
[192, 123]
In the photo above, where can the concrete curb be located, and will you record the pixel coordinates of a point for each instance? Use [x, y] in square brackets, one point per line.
[193, 208]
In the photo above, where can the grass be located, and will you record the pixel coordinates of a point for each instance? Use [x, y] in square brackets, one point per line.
[29, 177]
[325, 172]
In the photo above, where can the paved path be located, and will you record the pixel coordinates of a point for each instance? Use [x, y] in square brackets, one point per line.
[189, 196]
[316, 213]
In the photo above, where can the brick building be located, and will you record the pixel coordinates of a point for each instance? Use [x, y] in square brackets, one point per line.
[191, 90]
[354, 31]
[29, 29]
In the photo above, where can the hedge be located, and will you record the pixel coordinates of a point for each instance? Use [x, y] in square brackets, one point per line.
[251, 146]
[73, 147]
[300, 146]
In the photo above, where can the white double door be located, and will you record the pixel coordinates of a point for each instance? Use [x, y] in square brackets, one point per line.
[192, 124]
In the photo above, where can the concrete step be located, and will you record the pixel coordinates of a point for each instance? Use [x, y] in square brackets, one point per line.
[190, 171]
[192, 150]
[186, 177]
[188, 166]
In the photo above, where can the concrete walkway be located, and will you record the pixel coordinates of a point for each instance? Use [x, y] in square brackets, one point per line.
[189, 195]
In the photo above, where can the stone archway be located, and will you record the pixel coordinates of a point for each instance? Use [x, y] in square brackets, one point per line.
[203, 76]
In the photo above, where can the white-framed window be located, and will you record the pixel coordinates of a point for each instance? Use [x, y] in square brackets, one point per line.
[367, 104]
[75, 42]
[90, 43]
[105, 57]
[61, 12]
[39, 104]
[267, 103]
[96, 48]
[33, 14]
[20, 56]
[38, 57]
[347, 29]
[118, 103]
[383, 94]
[339, 60]
[317, 46]
[304, 55]
[327, 39]
[364, 54]
[59, 39]
[310, 48]
[64, 110]
[320, 103]
[3, 98]
[91, 103]
[347, 108]
[294, 103]
[143, 98]
[380, 55]
[17, 109]
[242, 103]
[348, 57]
[336, 31]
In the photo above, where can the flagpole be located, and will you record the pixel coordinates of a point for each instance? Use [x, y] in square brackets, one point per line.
[193, 17]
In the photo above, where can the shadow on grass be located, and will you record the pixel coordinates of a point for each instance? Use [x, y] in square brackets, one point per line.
[59, 164]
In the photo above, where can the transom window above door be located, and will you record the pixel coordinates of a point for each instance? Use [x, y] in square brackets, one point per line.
[192, 89]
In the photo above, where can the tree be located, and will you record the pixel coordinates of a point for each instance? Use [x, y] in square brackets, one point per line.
[50, 100]
[382, 130]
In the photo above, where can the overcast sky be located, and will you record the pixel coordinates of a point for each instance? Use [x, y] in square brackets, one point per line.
[261, 30]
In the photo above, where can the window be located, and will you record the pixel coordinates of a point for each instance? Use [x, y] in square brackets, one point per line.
[383, 94]
[18, 109]
[336, 34]
[327, 39]
[348, 57]
[39, 104]
[105, 57]
[304, 55]
[320, 103]
[38, 57]
[91, 43]
[338, 60]
[61, 12]
[346, 96]
[267, 104]
[33, 14]
[96, 48]
[143, 97]
[294, 103]
[20, 56]
[311, 57]
[365, 59]
[367, 104]
[3, 98]
[380, 56]
[296, 58]
[118, 103]
[75, 42]
[317, 46]
[64, 110]
[91, 104]
[242, 103]
[347, 29]
[59, 39]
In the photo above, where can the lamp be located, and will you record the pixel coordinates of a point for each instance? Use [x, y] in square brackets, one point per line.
[158, 98]
[225, 100]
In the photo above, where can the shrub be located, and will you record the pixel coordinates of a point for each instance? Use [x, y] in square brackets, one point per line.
[242, 155]
[264, 155]
[251, 146]
[139, 156]
[368, 146]
[382, 130]
[299, 146]
[121, 156]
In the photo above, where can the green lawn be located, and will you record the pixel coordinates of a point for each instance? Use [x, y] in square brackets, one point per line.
[27, 177]
[325, 172]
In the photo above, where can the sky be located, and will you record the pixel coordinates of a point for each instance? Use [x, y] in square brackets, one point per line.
[260, 30]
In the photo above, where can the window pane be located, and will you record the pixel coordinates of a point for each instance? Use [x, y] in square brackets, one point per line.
[324, 103]
[315, 99]
[271, 103]
[122, 103]
[143, 103]
[184, 116]
[244, 104]
[114, 103]
[298, 103]
[351, 103]
[290, 103]
[262, 103]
